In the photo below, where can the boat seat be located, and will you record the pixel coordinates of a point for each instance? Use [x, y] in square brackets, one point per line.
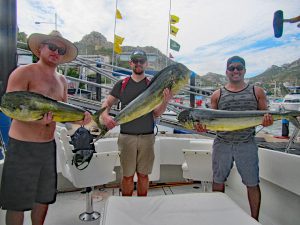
[201, 144]
[61, 166]
[107, 145]
[178, 209]
[98, 172]
[198, 162]
[1, 167]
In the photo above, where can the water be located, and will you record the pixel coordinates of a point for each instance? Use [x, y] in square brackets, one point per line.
[276, 128]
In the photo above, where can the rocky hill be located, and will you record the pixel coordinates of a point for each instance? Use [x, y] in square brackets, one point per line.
[95, 43]
[287, 73]
[213, 79]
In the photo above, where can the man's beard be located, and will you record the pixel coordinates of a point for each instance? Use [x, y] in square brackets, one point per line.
[138, 72]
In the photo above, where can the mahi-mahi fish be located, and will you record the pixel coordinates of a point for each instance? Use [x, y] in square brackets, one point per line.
[223, 120]
[174, 77]
[31, 106]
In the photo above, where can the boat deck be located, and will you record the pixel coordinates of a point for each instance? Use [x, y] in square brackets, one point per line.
[70, 204]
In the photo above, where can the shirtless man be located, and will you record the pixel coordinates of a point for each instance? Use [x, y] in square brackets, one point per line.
[29, 174]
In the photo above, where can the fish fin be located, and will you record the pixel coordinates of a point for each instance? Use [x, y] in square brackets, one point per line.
[102, 127]
[102, 134]
[295, 121]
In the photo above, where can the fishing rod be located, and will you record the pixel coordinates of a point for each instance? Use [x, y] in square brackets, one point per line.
[278, 21]
[105, 73]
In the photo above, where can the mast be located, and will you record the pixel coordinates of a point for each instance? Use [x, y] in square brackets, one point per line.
[168, 36]
[113, 51]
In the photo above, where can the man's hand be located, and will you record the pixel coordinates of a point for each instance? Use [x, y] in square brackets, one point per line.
[47, 118]
[200, 128]
[168, 95]
[87, 119]
[160, 109]
[267, 120]
[109, 122]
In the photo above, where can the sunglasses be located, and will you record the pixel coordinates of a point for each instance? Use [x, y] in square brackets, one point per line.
[136, 61]
[232, 68]
[53, 47]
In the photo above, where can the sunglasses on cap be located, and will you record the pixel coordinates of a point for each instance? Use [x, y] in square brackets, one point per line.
[232, 68]
[136, 61]
[53, 47]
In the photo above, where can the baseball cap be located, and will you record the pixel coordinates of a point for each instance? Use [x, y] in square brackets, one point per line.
[236, 59]
[138, 54]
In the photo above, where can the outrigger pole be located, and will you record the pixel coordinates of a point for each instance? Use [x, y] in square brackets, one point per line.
[167, 52]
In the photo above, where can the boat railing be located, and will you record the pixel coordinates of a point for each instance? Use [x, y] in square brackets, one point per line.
[292, 140]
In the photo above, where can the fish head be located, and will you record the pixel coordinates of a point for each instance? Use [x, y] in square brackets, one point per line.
[186, 119]
[184, 116]
[190, 115]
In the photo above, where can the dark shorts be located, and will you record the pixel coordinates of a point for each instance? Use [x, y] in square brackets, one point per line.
[29, 175]
[245, 156]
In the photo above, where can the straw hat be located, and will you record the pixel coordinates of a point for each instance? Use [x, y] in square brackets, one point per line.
[36, 39]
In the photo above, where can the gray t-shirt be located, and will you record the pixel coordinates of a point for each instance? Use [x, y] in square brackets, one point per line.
[143, 124]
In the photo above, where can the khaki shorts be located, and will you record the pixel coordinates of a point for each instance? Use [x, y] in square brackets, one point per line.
[137, 153]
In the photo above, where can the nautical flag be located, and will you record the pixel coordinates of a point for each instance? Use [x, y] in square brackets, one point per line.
[174, 19]
[170, 56]
[174, 45]
[118, 40]
[118, 15]
[117, 48]
[173, 30]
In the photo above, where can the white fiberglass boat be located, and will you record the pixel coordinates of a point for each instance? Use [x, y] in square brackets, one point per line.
[180, 187]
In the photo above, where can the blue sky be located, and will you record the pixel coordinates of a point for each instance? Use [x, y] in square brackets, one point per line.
[209, 31]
